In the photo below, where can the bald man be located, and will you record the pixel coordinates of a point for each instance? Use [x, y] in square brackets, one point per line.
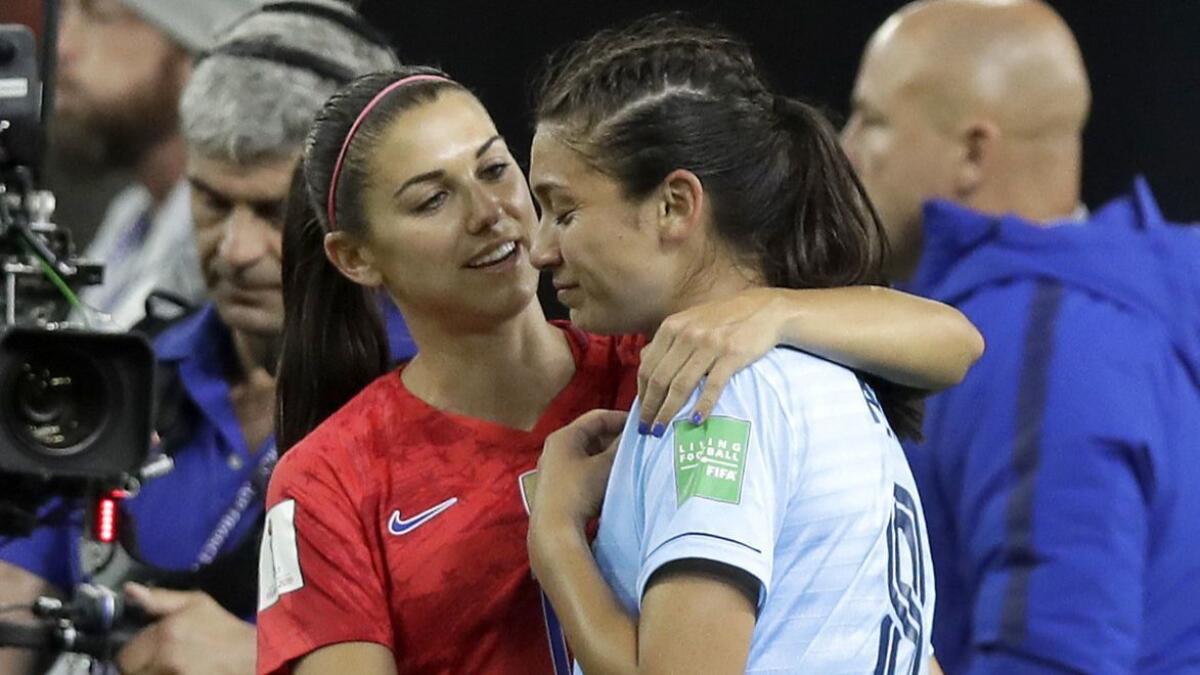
[1059, 480]
[983, 103]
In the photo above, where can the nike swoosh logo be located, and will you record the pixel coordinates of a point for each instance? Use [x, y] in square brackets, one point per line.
[399, 526]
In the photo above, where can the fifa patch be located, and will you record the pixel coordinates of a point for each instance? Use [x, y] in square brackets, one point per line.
[710, 459]
[279, 557]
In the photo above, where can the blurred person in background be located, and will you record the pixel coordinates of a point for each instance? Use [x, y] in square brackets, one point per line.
[1058, 478]
[122, 66]
[244, 114]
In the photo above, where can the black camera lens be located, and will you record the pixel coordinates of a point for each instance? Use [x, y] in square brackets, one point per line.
[74, 404]
[56, 403]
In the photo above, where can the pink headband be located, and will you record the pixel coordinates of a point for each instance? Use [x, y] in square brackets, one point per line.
[330, 208]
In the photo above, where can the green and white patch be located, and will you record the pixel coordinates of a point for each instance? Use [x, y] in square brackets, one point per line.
[710, 459]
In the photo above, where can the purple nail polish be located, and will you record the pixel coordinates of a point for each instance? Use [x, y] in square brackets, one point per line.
[643, 428]
[697, 418]
[659, 430]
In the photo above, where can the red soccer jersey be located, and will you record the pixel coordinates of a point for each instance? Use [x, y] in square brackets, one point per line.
[404, 525]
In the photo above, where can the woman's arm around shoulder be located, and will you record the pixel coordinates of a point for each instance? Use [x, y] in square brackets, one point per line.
[902, 338]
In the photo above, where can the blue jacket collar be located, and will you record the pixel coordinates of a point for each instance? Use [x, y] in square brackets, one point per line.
[1125, 254]
[194, 334]
[954, 237]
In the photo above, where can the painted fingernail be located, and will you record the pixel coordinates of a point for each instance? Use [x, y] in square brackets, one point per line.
[659, 430]
[643, 428]
[697, 417]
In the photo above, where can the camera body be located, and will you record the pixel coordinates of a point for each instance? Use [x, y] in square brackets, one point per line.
[75, 405]
[68, 403]
[20, 97]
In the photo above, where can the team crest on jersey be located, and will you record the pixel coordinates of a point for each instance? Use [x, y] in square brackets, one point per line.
[710, 459]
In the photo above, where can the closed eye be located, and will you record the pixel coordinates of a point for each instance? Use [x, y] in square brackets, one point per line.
[566, 218]
[213, 203]
[433, 203]
[494, 171]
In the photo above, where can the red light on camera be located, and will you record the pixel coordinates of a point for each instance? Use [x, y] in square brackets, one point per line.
[108, 520]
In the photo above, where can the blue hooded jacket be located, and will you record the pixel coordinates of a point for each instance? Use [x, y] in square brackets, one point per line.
[1061, 479]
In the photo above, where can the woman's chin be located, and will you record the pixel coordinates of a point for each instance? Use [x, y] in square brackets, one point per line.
[593, 319]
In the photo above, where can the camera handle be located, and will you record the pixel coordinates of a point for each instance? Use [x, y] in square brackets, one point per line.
[95, 622]
[24, 213]
[64, 637]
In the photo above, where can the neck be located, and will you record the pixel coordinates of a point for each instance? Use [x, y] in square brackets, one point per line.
[161, 167]
[718, 280]
[256, 356]
[1038, 180]
[902, 261]
[252, 391]
[507, 373]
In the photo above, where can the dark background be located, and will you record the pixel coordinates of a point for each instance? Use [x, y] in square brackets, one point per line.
[1143, 57]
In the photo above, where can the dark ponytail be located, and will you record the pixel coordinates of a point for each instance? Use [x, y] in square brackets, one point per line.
[833, 232]
[833, 220]
[664, 94]
[334, 342]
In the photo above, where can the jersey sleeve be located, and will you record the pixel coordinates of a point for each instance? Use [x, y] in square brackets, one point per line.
[718, 491]
[320, 578]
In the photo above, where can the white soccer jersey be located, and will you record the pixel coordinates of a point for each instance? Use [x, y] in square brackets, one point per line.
[797, 479]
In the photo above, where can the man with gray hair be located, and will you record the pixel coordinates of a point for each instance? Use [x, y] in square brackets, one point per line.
[245, 114]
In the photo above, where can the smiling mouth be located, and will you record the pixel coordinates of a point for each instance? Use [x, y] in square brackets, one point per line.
[495, 257]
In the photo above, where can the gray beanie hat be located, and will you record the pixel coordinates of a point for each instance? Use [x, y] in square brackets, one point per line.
[193, 24]
[242, 107]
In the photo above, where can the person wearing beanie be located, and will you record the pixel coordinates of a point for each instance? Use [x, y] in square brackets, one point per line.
[244, 113]
[191, 25]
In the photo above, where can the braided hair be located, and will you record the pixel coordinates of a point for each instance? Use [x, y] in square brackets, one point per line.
[665, 94]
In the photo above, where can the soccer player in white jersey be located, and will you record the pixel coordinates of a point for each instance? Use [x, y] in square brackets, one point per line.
[781, 532]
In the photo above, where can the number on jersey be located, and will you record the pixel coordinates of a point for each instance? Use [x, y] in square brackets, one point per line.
[906, 587]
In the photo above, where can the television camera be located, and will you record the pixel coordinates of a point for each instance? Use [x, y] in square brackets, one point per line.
[75, 404]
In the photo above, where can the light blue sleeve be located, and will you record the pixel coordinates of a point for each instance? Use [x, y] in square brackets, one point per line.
[718, 491]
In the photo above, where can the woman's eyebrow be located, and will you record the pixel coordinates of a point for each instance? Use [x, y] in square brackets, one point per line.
[484, 148]
[420, 178]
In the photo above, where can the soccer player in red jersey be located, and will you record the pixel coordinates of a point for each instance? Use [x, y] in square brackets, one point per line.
[395, 536]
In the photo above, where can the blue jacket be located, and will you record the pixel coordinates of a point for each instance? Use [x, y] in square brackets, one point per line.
[1061, 479]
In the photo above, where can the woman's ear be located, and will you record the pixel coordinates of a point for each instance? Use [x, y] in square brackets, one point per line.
[352, 258]
[680, 205]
